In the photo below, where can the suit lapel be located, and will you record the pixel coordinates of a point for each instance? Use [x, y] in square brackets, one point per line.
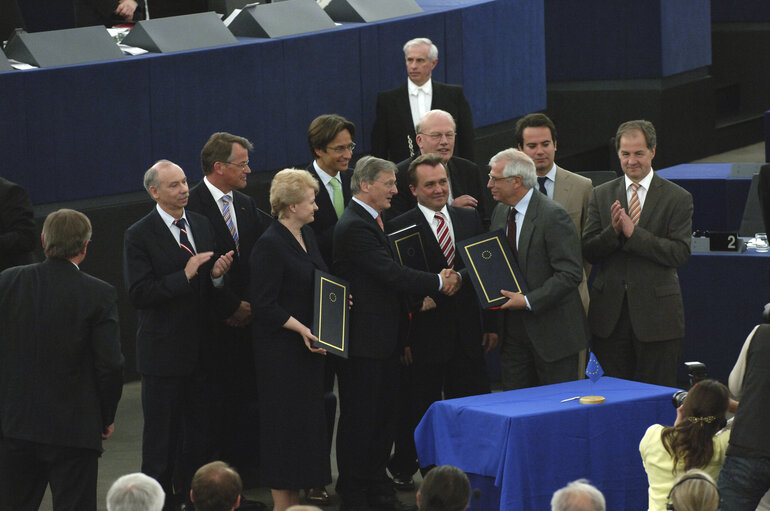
[432, 249]
[364, 214]
[651, 200]
[404, 109]
[562, 187]
[527, 228]
[325, 206]
[166, 240]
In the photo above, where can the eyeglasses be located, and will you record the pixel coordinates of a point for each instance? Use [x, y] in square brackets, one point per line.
[388, 184]
[342, 148]
[438, 136]
[241, 166]
[496, 179]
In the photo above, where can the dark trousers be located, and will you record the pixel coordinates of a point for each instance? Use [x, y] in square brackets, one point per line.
[26, 468]
[623, 355]
[174, 436]
[522, 367]
[422, 384]
[743, 482]
[368, 399]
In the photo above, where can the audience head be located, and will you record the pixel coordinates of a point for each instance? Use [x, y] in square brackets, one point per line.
[694, 490]
[635, 142]
[292, 192]
[702, 415]
[428, 181]
[421, 57]
[303, 508]
[66, 233]
[225, 161]
[167, 185]
[216, 487]
[511, 176]
[536, 136]
[445, 488]
[578, 496]
[330, 138]
[436, 134]
[135, 492]
[374, 182]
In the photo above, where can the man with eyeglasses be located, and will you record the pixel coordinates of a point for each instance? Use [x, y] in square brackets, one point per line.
[238, 223]
[437, 133]
[541, 332]
[399, 110]
[368, 379]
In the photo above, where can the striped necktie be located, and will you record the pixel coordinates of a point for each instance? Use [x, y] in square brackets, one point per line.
[634, 206]
[445, 239]
[184, 241]
[229, 220]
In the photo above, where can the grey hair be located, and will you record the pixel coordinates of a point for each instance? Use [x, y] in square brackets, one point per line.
[432, 52]
[151, 176]
[367, 169]
[517, 164]
[135, 492]
[576, 495]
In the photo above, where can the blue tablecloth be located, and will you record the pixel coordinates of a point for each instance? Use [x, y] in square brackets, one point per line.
[531, 444]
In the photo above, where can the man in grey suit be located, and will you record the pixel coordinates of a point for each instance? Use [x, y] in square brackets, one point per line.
[543, 331]
[61, 372]
[536, 137]
[638, 230]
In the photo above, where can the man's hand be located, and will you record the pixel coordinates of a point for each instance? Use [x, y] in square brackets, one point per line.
[241, 316]
[516, 301]
[195, 262]
[465, 201]
[222, 265]
[126, 9]
[427, 304]
[626, 224]
[451, 281]
[108, 431]
[489, 340]
[406, 357]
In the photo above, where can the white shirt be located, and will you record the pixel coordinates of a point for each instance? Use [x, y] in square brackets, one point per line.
[218, 194]
[550, 181]
[326, 179]
[641, 192]
[419, 99]
[175, 231]
[430, 216]
[521, 211]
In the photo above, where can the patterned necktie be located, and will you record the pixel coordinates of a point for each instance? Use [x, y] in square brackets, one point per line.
[541, 181]
[337, 199]
[229, 221]
[445, 240]
[184, 241]
[512, 232]
[635, 207]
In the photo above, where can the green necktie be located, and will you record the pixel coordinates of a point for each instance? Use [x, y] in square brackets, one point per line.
[339, 203]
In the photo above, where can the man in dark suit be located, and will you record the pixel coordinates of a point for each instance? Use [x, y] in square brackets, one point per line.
[437, 134]
[61, 372]
[330, 138]
[638, 231]
[444, 347]
[368, 379]
[238, 223]
[170, 275]
[400, 109]
[17, 225]
[542, 331]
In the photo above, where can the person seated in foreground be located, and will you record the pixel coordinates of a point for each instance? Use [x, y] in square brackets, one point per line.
[216, 487]
[578, 495]
[694, 490]
[135, 492]
[445, 488]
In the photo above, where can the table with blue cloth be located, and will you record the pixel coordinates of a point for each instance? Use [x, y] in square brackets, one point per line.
[520, 446]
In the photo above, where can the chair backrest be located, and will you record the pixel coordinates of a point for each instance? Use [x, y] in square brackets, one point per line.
[752, 221]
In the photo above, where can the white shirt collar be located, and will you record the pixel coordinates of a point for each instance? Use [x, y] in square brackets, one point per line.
[645, 182]
[523, 204]
[367, 207]
[216, 192]
[551, 173]
[322, 174]
[430, 215]
[414, 89]
[168, 219]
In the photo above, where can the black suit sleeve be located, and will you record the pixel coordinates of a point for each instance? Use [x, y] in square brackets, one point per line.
[465, 132]
[380, 129]
[108, 358]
